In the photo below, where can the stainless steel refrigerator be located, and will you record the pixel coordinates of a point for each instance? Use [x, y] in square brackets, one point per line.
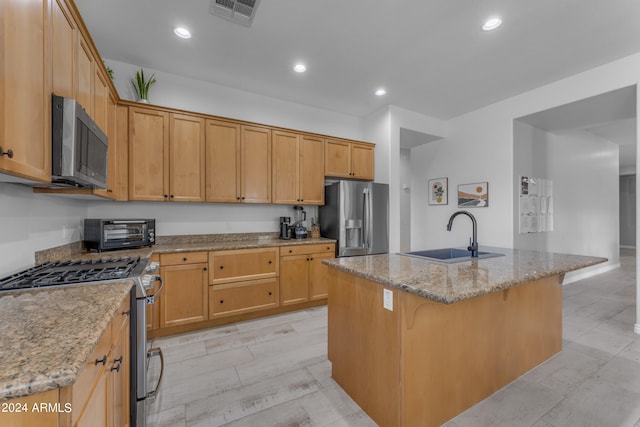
[356, 214]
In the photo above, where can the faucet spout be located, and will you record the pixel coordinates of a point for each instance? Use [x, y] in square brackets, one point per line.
[473, 245]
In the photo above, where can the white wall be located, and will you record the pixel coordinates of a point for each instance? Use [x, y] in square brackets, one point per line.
[179, 92]
[405, 200]
[201, 218]
[584, 170]
[34, 222]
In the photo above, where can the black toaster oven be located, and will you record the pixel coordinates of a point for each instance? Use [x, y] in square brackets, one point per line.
[110, 234]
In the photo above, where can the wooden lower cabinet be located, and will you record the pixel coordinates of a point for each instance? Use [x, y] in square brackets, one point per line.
[242, 297]
[303, 277]
[184, 298]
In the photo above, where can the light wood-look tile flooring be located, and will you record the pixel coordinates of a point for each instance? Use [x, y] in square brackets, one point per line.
[274, 371]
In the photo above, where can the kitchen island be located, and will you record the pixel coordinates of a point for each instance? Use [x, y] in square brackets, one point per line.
[416, 342]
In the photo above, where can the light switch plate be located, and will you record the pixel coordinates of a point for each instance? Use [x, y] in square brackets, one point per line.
[387, 299]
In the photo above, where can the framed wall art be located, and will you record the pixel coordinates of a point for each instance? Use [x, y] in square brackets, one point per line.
[438, 191]
[475, 195]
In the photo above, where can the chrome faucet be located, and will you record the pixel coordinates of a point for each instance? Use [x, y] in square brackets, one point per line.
[473, 244]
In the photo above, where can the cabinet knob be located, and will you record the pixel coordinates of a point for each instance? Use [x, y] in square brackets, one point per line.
[166, 195]
[8, 153]
[184, 259]
[205, 269]
[221, 301]
[310, 259]
[242, 197]
[269, 293]
[126, 313]
[269, 262]
[221, 267]
[171, 196]
[238, 198]
[302, 200]
[290, 250]
[103, 360]
[307, 259]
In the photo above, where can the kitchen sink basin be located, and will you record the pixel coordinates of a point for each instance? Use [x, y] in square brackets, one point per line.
[449, 255]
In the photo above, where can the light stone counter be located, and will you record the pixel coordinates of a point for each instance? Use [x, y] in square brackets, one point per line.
[449, 283]
[48, 334]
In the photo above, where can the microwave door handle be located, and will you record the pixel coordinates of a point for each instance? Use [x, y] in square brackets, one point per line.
[129, 222]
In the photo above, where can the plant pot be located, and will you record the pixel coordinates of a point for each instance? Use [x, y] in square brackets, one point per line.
[144, 101]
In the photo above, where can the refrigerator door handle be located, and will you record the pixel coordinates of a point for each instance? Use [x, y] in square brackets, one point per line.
[366, 218]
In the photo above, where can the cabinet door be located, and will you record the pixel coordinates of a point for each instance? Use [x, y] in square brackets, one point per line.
[311, 170]
[319, 276]
[25, 89]
[337, 158]
[118, 397]
[186, 158]
[100, 99]
[148, 154]
[222, 140]
[63, 45]
[294, 279]
[362, 162]
[96, 412]
[255, 161]
[285, 168]
[184, 297]
[85, 73]
[114, 167]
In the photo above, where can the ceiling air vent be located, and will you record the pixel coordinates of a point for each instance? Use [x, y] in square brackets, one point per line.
[240, 11]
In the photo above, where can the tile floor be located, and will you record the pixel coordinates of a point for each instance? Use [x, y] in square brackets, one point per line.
[274, 372]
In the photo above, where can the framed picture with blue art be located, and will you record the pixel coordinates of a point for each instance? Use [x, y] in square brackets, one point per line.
[438, 191]
[474, 195]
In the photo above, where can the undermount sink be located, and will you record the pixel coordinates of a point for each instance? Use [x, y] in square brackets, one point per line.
[449, 255]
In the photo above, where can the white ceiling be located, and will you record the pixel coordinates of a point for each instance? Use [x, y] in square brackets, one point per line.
[431, 56]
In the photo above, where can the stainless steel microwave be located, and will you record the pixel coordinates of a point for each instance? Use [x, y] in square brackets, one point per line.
[79, 146]
[109, 234]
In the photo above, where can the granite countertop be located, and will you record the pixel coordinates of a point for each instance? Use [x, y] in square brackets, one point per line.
[449, 283]
[48, 334]
[173, 244]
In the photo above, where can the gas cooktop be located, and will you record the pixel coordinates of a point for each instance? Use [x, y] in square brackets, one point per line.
[73, 272]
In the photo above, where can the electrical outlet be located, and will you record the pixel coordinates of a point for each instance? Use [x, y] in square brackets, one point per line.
[387, 299]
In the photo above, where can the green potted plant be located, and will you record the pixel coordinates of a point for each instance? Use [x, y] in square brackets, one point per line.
[141, 86]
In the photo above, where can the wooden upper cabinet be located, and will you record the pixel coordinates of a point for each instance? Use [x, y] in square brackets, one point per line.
[85, 71]
[286, 167]
[63, 46]
[100, 99]
[25, 89]
[362, 161]
[148, 154]
[116, 130]
[255, 164]
[346, 159]
[222, 140]
[298, 169]
[311, 170]
[186, 158]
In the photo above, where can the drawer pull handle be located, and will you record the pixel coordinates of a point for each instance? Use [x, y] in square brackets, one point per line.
[8, 153]
[103, 360]
[126, 313]
[118, 360]
[116, 368]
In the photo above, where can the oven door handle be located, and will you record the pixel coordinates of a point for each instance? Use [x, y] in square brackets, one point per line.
[156, 351]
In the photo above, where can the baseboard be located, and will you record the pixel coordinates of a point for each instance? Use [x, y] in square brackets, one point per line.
[590, 273]
[627, 247]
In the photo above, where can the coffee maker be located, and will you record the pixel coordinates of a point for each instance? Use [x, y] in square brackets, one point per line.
[285, 224]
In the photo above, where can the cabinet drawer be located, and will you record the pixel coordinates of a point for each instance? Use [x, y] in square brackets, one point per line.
[183, 258]
[90, 373]
[243, 264]
[307, 249]
[242, 297]
[120, 318]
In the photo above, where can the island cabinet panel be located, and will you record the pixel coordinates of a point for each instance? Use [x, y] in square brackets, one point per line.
[148, 154]
[184, 297]
[364, 345]
[30, 418]
[25, 89]
[445, 357]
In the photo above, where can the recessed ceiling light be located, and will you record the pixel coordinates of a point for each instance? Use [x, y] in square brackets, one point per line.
[182, 32]
[380, 92]
[492, 24]
[299, 68]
